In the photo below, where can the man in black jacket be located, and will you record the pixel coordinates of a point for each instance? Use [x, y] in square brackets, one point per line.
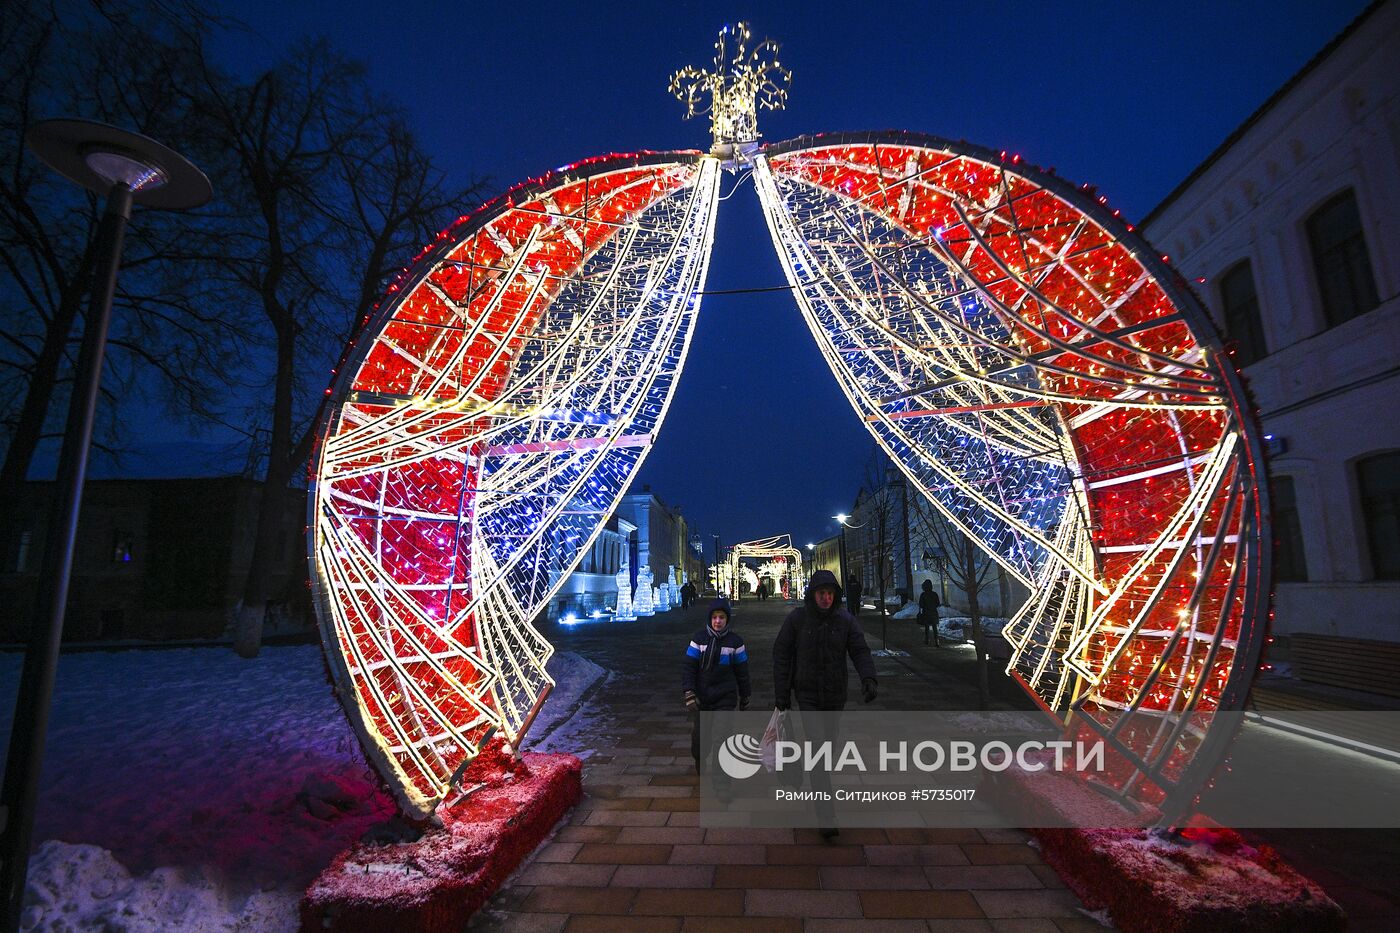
[716, 673]
[809, 656]
[809, 661]
[853, 591]
[928, 612]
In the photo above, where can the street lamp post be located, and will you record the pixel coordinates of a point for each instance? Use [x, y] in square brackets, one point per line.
[844, 520]
[845, 523]
[128, 169]
[809, 567]
[841, 520]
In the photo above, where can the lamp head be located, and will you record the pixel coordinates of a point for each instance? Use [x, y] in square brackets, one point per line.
[101, 157]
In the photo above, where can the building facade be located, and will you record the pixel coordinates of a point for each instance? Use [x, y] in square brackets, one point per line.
[894, 527]
[824, 555]
[156, 560]
[592, 587]
[1290, 232]
[645, 531]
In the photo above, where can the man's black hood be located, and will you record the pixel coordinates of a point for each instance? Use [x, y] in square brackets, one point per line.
[822, 578]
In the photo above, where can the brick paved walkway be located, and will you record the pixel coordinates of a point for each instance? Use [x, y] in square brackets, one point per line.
[632, 855]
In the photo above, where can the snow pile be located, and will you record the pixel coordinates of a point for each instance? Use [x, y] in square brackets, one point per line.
[568, 719]
[83, 887]
[951, 626]
[436, 882]
[959, 628]
[244, 773]
[1207, 879]
[194, 756]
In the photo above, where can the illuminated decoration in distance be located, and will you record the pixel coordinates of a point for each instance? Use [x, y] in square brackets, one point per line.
[663, 596]
[1027, 361]
[776, 548]
[645, 602]
[624, 611]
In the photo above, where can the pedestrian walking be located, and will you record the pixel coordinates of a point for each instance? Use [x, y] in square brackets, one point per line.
[715, 675]
[809, 665]
[853, 590]
[928, 612]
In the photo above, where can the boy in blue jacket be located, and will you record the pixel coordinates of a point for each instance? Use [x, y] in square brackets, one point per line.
[716, 672]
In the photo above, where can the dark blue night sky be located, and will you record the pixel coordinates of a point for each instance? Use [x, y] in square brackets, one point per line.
[759, 439]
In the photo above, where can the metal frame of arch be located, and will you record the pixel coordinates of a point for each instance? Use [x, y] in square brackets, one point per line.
[478, 436]
[1042, 376]
[1028, 362]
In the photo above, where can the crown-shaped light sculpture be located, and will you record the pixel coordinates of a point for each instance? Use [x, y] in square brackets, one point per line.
[743, 80]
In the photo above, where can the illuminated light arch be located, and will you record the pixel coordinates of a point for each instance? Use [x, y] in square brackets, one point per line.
[1030, 365]
[778, 546]
[491, 418]
[1049, 385]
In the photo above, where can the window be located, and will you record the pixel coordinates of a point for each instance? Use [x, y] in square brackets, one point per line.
[1290, 563]
[1379, 480]
[1339, 255]
[1240, 306]
[121, 548]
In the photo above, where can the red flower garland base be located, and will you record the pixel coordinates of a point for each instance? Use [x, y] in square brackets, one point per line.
[1203, 880]
[439, 881]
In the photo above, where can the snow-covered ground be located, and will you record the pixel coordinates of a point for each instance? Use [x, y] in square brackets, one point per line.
[189, 789]
[950, 626]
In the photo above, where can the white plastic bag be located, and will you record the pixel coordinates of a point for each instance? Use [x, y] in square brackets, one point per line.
[778, 731]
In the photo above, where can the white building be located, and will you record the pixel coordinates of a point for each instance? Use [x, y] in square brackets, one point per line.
[643, 531]
[1290, 232]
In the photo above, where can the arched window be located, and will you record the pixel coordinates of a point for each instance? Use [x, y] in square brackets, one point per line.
[1378, 478]
[1341, 260]
[1290, 562]
[1240, 306]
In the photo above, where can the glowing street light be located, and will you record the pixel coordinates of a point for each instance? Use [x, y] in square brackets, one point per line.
[844, 521]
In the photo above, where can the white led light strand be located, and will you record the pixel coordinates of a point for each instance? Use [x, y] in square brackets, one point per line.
[504, 401]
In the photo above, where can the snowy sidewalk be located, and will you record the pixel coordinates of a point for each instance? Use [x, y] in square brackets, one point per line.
[191, 790]
[632, 855]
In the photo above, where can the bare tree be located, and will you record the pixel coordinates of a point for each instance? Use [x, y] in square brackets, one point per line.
[332, 194]
[116, 64]
[322, 194]
[969, 570]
